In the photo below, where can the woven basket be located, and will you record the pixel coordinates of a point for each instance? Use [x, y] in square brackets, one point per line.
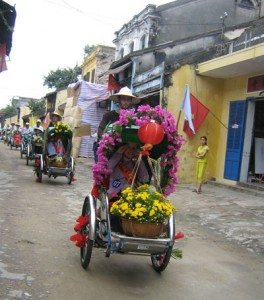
[127, 226]
[146, 230]
[57, 164]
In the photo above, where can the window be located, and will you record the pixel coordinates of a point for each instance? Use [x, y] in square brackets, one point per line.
[131, 47]
[121, 53]
[87, 77]
[143, 42]
[93, 76]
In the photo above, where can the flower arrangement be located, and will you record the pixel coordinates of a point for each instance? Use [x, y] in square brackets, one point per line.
[167, 150]
[61, 129]
[57, 161]
[37, 140]
[143, 204]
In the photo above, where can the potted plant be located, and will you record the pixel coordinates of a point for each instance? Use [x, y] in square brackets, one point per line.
[143, 211]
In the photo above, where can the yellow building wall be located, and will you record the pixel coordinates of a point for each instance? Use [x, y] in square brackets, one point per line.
[216, 94]
[24, 111]
[234, 89]
[13, 119]
[209, 92]
[89, 64]
[61, 98]
[32, 121]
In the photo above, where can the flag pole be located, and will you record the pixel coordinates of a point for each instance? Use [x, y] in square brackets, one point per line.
[178, 119]
[218, 119]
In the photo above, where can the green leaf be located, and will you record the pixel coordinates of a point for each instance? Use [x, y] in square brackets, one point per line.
[176, 253]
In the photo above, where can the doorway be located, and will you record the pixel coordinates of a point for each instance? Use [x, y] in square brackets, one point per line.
[256, 161]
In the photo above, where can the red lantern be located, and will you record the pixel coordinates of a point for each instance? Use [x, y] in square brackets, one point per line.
[151, 133]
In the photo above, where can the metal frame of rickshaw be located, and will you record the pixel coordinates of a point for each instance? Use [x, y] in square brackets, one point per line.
[100, 234]
[55, 171]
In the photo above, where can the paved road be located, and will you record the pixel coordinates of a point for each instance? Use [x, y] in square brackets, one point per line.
[37, 260]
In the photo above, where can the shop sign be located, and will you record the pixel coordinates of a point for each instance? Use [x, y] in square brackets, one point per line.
[149, 81]
[255, 84]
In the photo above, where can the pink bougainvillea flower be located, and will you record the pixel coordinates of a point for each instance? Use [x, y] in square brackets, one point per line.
[112, 140]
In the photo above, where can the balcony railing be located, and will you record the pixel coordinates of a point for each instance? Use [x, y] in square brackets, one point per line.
[251, 37]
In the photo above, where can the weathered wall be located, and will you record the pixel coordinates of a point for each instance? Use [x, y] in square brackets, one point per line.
[99, 60]
[216, 94]
[186, 18]
[61, 98]
[209, 92]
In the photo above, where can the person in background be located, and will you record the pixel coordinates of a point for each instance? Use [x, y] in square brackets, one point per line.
[201, 163]
[38, 126]
[18, 129]
[126, 100]
[38, 132]
[27, 129]
[55, 117]
[7, 134]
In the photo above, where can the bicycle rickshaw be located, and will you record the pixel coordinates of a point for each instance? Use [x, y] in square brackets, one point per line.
[58, 164]
[35, 145]
[98, 226]
[26, 140]
[16, 140]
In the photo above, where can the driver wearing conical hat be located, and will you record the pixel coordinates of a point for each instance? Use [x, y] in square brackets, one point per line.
[126, 100]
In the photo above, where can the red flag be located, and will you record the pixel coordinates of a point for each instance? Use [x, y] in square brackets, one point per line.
[2, 57]
[199, 113]
[112, 83]
[46, 121]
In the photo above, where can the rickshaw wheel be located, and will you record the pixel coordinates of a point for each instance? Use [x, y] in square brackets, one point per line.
[39, 175]
[160, 261]
[69, 178]
[11, 146]
[21, 152]
[27, 154]
[86, 251]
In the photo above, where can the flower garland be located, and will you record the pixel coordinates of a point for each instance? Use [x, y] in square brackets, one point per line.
[112, 140]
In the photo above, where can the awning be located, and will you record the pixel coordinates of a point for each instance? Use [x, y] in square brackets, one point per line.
[142, 96]
[118, 69]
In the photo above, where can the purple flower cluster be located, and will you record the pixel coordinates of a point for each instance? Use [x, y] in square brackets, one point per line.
[143, 115]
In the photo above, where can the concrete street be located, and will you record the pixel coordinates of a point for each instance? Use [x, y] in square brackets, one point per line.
[223, 248]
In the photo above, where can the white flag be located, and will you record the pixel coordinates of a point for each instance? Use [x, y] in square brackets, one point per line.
[186, 107]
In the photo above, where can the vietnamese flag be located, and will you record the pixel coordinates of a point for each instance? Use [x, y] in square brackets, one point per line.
[46, 121]
[112, 83]
[199, 113]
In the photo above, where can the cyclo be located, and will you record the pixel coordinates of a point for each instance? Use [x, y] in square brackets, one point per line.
[56, 159]
[16, 140]
[26, 139]
[139, 219]
[35, 145]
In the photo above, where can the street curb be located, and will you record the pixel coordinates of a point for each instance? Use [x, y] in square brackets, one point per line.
[245, 189]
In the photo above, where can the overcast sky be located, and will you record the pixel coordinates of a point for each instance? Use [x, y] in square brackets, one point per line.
[51, 34]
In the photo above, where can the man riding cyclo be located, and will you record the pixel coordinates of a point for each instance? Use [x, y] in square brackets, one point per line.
[16, 136]
[58, 137]
[27, 133]
[137, 161]
[9, 133]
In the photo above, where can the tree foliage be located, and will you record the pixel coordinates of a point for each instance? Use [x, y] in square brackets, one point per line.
[88, 49]
[37, 108]
[61, 78]
[9, 111]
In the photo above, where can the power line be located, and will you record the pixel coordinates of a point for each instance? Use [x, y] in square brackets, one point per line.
[93, 16]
